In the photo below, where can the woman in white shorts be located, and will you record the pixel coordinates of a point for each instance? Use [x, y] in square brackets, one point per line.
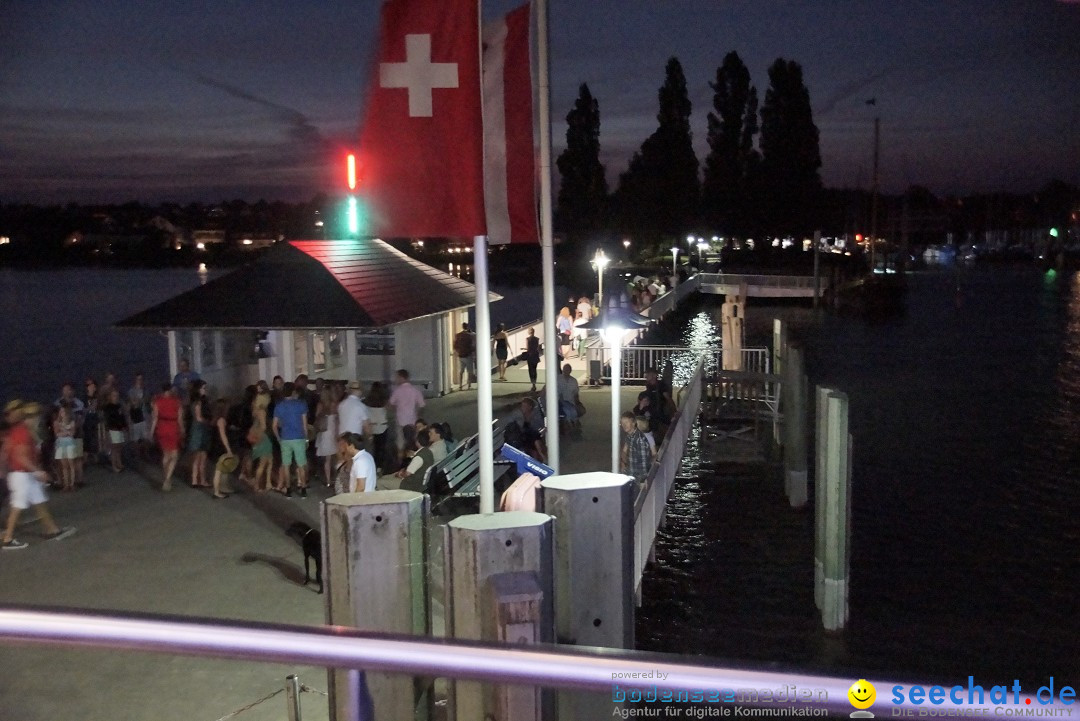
[67, 449]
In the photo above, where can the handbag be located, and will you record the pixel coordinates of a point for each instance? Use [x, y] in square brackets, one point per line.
[580, 407]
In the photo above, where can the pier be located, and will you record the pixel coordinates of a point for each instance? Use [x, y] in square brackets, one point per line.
[187, 555]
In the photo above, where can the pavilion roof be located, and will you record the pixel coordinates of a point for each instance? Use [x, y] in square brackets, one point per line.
[311, 284]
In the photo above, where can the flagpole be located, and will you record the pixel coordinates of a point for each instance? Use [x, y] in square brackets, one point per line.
[483, 375]
[551, 343]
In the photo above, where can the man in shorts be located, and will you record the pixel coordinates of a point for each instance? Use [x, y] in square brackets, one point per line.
[465, 349]
[291, 430]
[26, 478]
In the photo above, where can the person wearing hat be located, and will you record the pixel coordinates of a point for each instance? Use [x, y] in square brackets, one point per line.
[352, 413]
[26, 478]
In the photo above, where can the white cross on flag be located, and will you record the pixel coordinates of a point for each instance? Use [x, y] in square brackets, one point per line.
[421, 144]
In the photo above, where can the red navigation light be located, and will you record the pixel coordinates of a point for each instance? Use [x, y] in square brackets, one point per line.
[858, 236]
[351, 160]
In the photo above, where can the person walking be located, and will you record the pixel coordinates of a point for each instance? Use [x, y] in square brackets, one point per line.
[291, 430]
[64, 448]
[262, 449]
[569, 397]
[565, 325]
[532, 355]
[167, 431]
[635, 456]
[362, 471]
[26, 478]
[375, 406]
[465, 349]
[406, 400]
[222, 447]
[326, 431]
[138, 412]
[116, 425]
[199, 437]
[501, 343]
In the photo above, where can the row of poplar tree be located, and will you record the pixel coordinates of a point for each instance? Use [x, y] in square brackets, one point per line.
[745, 188]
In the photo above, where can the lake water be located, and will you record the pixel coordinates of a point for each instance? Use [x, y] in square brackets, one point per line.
[965, 552]
[966, 504]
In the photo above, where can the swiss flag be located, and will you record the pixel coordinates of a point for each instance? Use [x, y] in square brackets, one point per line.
[421, 143]
[510, 186]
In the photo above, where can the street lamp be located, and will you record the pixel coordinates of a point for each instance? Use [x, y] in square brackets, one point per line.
[617, 319]
[675, 260]
[600, 261]
[626, 245]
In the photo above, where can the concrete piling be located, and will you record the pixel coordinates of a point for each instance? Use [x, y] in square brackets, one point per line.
[594, 571]
[374, 546]
[479, 548]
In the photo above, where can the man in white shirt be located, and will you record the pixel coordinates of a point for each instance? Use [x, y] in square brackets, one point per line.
[362, 474]
[352, 413]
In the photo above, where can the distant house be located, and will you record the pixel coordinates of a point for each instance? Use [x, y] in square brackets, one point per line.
[249, 242]
[342, 309]
[205, 238]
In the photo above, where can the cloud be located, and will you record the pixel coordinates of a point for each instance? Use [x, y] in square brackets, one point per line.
[301, 128]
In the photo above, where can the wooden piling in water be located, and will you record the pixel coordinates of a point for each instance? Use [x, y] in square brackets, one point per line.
[795, 426]
[835, 529]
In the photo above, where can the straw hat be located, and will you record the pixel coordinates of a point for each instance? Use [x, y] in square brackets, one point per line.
[228, 463]
[13, 406]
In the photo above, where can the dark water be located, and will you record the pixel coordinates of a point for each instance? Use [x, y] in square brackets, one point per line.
[965, 557]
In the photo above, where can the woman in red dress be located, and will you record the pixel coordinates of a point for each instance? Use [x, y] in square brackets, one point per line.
[166, 429]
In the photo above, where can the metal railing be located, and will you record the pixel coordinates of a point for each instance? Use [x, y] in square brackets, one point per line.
[651, 502]
[802, 282]
[551, 666]
[756, 394]
[637, 359]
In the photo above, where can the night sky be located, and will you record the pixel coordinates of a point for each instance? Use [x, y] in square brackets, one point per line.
[115, 100]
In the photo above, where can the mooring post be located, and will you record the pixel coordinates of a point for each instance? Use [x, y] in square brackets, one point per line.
[834, 612]
[821, 436]
[731, 315]
[594, 571]
[779, 344]
[795, 427]
[477, 548]
[374, 545]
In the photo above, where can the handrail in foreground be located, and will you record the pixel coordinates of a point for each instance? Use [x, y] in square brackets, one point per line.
[338, 647]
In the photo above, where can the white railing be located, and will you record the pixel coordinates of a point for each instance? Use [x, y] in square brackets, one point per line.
[582, 669]
[637, 359]
[651, 503]
[763, 281]
[756, 393]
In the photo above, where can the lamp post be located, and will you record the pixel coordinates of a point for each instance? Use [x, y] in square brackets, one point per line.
[600, 261]
[626, 246]
[617, 318]
[613, 334]
[675, 260]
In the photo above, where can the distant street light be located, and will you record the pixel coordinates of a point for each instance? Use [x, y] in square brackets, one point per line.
[626, 244]
[675, 260]
[600, 261]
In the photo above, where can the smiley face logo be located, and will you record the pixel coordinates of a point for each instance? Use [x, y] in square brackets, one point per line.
[862, 694]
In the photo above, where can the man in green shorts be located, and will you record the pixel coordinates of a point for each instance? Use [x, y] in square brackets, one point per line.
[291, 430]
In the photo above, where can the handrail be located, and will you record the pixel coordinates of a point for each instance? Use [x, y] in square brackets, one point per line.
[340, 647]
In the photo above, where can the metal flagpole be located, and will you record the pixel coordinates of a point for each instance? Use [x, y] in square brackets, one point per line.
[551, 363]
[483, 376]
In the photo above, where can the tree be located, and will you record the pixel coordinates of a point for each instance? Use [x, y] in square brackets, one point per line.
[790, 157]
[732, 159]
[583, 193]
[659, 191]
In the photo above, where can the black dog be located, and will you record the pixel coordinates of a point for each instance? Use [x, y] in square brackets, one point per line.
[311, 541]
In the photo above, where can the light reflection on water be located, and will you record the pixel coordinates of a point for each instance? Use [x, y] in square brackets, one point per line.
[966, 500]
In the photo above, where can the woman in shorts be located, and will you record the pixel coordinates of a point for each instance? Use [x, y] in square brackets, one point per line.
[116, 425]
[262, 448]
[66, 446]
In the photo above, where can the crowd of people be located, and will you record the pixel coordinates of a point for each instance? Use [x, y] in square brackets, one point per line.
[277, 436]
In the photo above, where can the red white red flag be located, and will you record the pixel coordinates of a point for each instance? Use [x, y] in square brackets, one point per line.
[421, 143]
[509, 151]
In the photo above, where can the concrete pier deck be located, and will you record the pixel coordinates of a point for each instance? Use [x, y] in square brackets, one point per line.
[140, 550]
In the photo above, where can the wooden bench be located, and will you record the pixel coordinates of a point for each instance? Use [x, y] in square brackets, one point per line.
[459, 473]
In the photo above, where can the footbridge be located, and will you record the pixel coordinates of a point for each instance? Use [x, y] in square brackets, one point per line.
[759, 286]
